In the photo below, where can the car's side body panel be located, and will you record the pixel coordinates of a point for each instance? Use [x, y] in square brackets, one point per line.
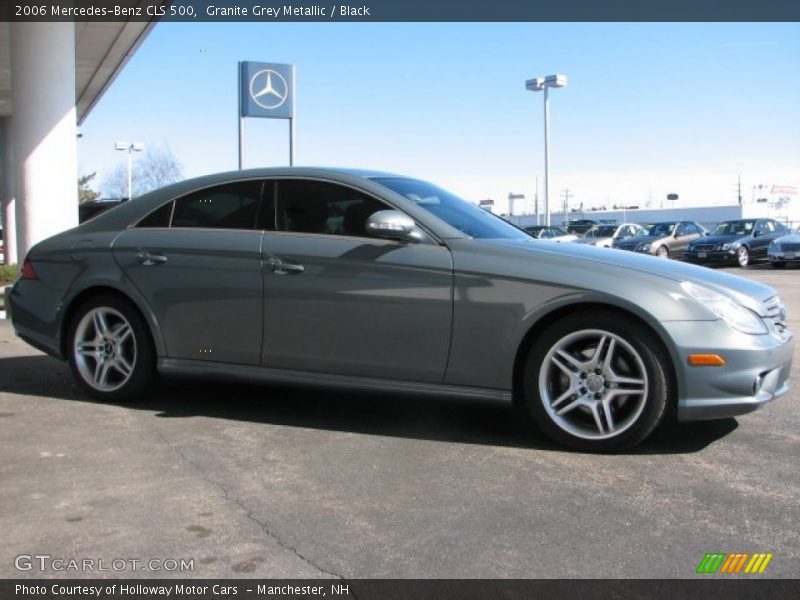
[361, 306]
[206, 295]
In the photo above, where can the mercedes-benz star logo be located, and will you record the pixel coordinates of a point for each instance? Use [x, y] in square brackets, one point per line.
[268, 89]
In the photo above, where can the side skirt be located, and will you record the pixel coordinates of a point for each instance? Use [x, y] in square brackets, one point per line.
[256, 374]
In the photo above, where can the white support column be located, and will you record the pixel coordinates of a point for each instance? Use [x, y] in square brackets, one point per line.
[44, 130]
[7, 194]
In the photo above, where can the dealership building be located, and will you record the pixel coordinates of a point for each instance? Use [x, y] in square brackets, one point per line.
[51, 75]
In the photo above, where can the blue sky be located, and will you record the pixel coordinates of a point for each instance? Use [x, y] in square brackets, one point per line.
[650, 108]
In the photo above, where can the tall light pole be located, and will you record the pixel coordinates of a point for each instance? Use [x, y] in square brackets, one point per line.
[542, 84]
[130, 148]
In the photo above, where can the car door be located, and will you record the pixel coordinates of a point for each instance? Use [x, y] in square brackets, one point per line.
[683, 234]
[763, 235]
[337, 301]
[197, 262]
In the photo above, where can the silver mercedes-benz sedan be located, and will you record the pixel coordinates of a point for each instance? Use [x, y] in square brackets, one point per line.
[372, 281]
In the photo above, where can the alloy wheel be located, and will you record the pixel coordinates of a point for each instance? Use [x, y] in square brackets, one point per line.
[593, 384]
[104, 349]
[743, 256]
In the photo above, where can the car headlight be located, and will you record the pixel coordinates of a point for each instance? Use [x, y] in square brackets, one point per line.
[737, 316]
[646, 247]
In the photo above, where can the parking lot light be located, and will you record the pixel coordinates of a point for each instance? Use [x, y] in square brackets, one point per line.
[541, 84]
[130, 148]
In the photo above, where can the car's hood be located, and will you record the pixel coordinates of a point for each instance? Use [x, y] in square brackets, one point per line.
[592, 241]
[719, 239]
[792, 238]
[642, 239]
[744, 290]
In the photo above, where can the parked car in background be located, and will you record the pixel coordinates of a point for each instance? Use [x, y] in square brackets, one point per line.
[548, 232]
[580, 226]
[355, 279]
[603, 236]
[667, 239]
[740, 241]
[785, 249]
[89, 210]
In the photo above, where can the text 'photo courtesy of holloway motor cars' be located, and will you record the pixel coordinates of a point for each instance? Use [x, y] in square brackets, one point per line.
[372, 281]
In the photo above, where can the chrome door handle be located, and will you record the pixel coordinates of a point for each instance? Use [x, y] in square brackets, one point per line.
[277, 266]
[148, 260]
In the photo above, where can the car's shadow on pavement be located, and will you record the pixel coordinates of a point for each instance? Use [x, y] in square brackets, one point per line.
[406, 416]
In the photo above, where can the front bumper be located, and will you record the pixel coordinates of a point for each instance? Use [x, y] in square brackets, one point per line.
[783, 256]
[756, 369]
[716, 256]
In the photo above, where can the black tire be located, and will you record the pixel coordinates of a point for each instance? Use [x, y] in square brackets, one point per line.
[777, 264]
[122, 361]
[743, 256]
[662, 252]
[636, 350]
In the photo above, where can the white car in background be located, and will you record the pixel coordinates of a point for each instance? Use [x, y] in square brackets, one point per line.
[604, 236]
[548, 232]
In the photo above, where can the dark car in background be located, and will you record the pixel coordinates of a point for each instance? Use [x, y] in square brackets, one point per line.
[667, 239]
[742, 241]
[89, 210]
[580, 226]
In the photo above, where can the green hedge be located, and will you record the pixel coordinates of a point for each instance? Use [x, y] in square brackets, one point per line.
[8, 274]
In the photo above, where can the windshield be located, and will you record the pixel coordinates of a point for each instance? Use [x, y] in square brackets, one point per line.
[734, 228]
[661, 229]
[601, 231]
[460, 214]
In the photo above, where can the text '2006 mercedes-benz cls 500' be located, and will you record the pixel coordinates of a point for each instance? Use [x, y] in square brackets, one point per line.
[373, 281]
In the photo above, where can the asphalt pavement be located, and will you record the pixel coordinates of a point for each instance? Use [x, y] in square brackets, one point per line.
[247, 481]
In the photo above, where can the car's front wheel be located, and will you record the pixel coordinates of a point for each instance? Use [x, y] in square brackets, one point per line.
[596, 381]
[743, 256]
[662, 252]
[110, 350]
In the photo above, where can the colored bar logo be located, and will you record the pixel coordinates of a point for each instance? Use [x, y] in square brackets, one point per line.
[735, 563]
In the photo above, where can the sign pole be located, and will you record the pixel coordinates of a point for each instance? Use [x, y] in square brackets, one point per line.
[291, 120]
[241, 119]
[291, 142]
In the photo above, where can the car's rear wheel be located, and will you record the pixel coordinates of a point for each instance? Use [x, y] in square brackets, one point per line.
[778, 264]
[662, 252]
[110, 350]
[743, 256]
[596, 382]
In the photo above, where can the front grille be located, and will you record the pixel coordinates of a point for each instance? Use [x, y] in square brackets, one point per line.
[790, 247]
[704, 247]
[626, 246]
[776, 312]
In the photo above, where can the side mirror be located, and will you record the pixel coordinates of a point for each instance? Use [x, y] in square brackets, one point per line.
[756, 234]
[393, 225]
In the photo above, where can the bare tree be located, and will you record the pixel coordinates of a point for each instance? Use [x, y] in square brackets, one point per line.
[154, 168]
